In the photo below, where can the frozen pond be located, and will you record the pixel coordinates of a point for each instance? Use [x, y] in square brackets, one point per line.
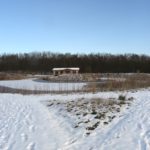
[40, 85]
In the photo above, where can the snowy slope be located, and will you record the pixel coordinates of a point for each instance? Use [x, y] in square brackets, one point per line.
[26, 124]
[34, 84]
[131, 131]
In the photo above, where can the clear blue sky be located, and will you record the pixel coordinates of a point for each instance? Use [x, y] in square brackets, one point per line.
[85, 26]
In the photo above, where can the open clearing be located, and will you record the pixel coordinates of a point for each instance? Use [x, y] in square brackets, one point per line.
[92, 121]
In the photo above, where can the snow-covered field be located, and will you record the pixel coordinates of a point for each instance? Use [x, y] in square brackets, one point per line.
[26, 123]
[35, 84]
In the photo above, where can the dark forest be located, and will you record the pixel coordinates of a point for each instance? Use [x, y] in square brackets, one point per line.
[88, 63]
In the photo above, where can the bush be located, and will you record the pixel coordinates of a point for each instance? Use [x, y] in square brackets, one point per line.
[122, 97]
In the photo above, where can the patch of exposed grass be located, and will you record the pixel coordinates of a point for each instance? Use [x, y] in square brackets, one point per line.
[90, 113]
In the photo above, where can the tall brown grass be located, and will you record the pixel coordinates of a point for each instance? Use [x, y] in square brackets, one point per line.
[11, 76]
[130, 81]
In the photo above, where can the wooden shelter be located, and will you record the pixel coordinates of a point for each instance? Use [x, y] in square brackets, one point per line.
[60, 71]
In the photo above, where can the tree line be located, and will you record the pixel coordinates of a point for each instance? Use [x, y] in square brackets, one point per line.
[44, 62]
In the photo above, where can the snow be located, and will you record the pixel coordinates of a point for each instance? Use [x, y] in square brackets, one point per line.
[27, 124]
[130, 131]
[58, 69]
[35, 84]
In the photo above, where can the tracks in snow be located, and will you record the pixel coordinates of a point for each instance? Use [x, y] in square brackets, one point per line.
[16, 124]
[132, 131]
[25, 124]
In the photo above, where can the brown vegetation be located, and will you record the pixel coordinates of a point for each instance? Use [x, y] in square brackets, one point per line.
[121, 82]
[11, 76]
